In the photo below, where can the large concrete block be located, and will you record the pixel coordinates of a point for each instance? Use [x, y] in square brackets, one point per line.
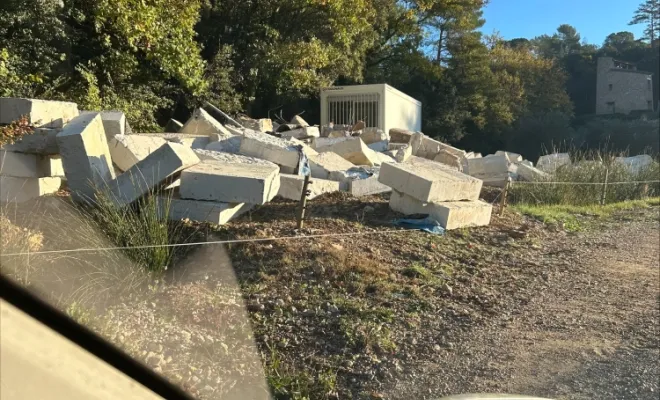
[186, 139]
[202, 123]
[291, 187]
[489, 167]
[327, 141]
[114, 123]
[451, 160]
[230, 182]
[41, 141]
[18, 190]
[549, 163]
[530, 174]
[373, 135]
[214, 212]
[283, 152]
[85, 156]
[298, 120]
[325, 164]
[367, 187]
[379, 147]
[400, 135]
[382, 158]
[304, 132]
[513, 157]
[173, 126]
[157, 170]
[259, 125]
[226, 143]
[353, 150]
[50, 166]
[128, 150]
[230, 158]
[428, 182]
[40, 113]
[450, 215]
[636, 164]
[19, 165]
[424, 146]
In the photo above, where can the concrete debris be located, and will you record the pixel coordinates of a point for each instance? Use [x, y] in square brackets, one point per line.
[231, 181]
[291, 187]
[50, 166]
[428, 182]
[259, 125]
[636, 164]
[424, 146]
[202, 123]
[18, 190]
[327, 141]
[114, 123]
[226, 144]
[374, 135]
[353, 150]
[41, 141]
[382, 158]
[18, 165]
[221, 116]
[189, 140]
[490, 166]
[39, 113]
[205, 154]
[173, 126]
[449, 159]
[304, 132]
[530, 174]
[527, 163]
[283, 152]
[330, 166]
[549, 163]
[128, 150]
[400, 135]
[298, 120]
[214, 212]
[450, 215]
[335, 130]
[379, 147]
[85, 156]
[158, 169]
[364, 182]
[513, 157]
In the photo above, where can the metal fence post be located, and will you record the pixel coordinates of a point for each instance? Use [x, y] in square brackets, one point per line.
[604, 194]
[303, 202]
[505, 192]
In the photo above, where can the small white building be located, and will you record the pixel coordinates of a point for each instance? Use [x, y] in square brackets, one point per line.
[380, 106]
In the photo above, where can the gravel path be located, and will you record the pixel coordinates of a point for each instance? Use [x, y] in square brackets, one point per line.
[590, 331]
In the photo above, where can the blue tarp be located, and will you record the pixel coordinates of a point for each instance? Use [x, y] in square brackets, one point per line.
[427, 224]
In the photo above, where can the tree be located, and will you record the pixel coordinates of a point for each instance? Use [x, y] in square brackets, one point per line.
[648, 13]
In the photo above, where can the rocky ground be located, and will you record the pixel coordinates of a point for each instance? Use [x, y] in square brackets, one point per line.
[514, 307]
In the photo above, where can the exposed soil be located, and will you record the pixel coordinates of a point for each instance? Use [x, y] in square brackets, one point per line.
[514, 307]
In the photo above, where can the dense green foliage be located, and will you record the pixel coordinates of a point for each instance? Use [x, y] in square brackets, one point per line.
[156, 59]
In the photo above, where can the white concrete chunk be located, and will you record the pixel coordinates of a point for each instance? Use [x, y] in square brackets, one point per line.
[298, 120]
[50, 166]
[230, 158]
[226, 143]
[18, 190]
[259, 125]
[424, 146]
[19, 165]
[382, 158]
[367, 187]
[527, 163]
[186, 139]
[308, 131]
[202, 123]
[636, 164]
[40, 113]
[549, 163]
[450, 215]
[230, 182]
[291, 187]
[282, 152]
[489, 167]
[128, 150]
[379, 147]
[173, 126]
[214, 212]
[41, 141]
[327, 141]
[85, 156]
[114, 123]
[325, 164]
[353, 150]
[530, 174]
[373, 135]
[400, 135]
[449, 159]
[158, 169]
[403, 154]
[429, 183]
[513, 157]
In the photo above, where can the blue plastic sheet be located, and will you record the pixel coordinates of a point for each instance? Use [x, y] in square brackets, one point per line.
[427, 224]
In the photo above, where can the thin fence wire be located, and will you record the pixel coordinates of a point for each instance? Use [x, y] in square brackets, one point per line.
[518, 183]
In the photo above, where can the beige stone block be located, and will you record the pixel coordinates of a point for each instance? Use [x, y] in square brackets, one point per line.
[291, 187]
[40, 113]
[18, 190]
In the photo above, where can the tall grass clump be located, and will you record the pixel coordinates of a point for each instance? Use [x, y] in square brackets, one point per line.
[584, 179]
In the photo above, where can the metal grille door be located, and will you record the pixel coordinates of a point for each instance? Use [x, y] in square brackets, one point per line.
[348, 109]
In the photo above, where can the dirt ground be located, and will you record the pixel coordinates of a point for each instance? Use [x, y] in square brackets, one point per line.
[517, 306]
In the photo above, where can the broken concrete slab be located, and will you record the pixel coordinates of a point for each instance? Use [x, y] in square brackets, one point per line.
[233, 181]
[291, 187]
[513, 157]
[298, 120]
[373, 135]
[41, 141]
[128, 150]
[382, 158]
[304, 132]
[85, 156]
[397, 146]
[173, 126]
[214, 212]
[205, 154]
[283, 152]
[429, 183]
[527, 163]
[449, 159]
[259, 125]
[202, 123]
[489, 167]
[39, 113]
[186, 139]
[379, 147]
[530, 174]
[550, 162]
[636, 164]
[424, 146]
[157, 170]
[323, 166]
[226, 144]
[400, 135]
[50, 166]
[367, 187]
[354, 150]
[450, 215]
[114, 123]
[19, 165]
[327, 141]
[403, 154]
[18, 190]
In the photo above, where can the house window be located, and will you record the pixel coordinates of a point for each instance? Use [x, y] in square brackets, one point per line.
[611, 107]
[610, 86]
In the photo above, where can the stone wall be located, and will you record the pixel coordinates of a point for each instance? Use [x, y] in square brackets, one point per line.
[622, 90]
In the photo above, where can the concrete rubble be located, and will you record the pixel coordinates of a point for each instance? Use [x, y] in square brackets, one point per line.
[283, 152]
[173, 126]
[353, 150]
[291, 187]
[636, 164]
[549, 163]
[202, 123]
[39, 113]
[128, 150]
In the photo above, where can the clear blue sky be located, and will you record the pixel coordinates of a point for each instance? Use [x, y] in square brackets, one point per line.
[593, 19]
